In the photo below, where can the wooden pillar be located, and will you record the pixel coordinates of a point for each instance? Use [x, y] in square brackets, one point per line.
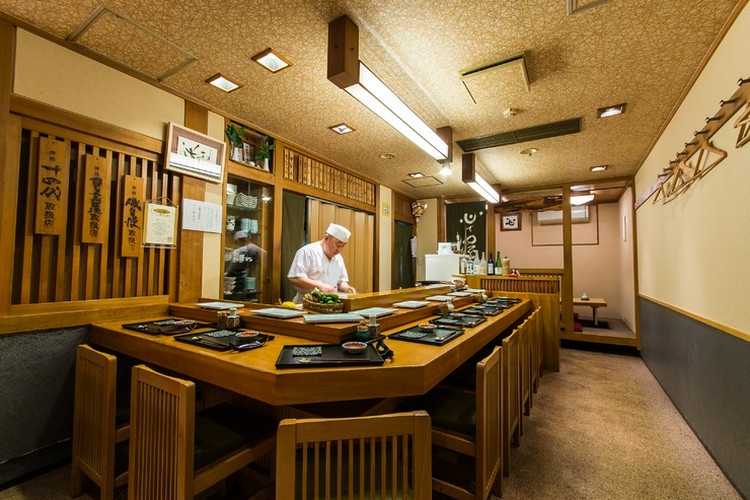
[190, 258]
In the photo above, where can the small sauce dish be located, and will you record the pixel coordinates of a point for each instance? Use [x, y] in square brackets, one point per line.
[354, 347]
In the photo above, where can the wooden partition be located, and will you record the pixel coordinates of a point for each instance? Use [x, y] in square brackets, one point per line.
[544, 292]
[78, 189]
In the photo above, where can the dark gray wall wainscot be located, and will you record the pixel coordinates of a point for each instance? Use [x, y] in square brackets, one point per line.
[37, 375]
[706, 373]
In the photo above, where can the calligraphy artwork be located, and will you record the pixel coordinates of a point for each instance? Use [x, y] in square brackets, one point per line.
[195, 154]
[132, 216]
[96, 195]
[52, 187]
[466, 224]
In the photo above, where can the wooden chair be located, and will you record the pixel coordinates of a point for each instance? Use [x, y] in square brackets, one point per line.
[536, 348]
[511, 397]
[178, 453]
[100, 422]
[524, 350]
[382, 456]
[469, 422]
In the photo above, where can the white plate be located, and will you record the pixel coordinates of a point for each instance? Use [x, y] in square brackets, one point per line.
[279, 312]
[439, 298]
[333, 318]
[219, 305]
[412, 304]
[375, 311]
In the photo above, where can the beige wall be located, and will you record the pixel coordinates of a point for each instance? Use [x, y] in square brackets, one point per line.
[385, 244]
[427, 234]
[598, 269]
[692, 252]
[49, 73]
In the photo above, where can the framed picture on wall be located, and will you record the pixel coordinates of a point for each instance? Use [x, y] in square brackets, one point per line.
[195, 154]
[510, 222]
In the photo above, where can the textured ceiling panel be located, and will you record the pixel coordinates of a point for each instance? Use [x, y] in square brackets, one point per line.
[130, 44]
[641, 52]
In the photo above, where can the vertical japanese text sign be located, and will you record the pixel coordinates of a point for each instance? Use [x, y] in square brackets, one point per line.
[96, 190]
[132, 216]
[52, 187]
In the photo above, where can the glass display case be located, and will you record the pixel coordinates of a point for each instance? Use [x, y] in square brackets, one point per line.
[247, 240]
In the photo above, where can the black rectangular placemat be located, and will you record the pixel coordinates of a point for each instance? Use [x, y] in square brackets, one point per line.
[438, 336]
[483, 310]
[226, 339]
[330, 355]
[168, 326]
[459, 319]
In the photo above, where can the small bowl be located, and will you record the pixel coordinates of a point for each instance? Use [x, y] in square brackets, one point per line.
[354, 347]
[247, 334]
[427, 327]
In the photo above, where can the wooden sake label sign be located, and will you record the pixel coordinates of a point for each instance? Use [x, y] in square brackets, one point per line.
[96, 191]
[52, 187]
[132, 216]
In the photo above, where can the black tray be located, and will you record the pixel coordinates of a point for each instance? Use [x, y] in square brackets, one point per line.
[169, 326]
[331, 355]
[445, 333]
[460, 319]
[226, 339]
[484, 310]
[505, 300]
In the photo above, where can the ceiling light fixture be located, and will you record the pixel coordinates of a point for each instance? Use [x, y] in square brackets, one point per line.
[342, 128]
[416, 175]
[223, 83]
[349, 73]
[530, 151]
[272, 60]
[475, 181]
[581, 199]
[615, 110]
[599, 168]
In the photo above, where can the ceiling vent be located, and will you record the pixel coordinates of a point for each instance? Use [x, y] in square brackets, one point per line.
[555, 129]
[498, 79]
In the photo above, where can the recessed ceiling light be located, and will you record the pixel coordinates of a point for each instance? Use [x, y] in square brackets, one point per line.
[223, 83]
[599, 168]
[416, 175]
[529, 151]
[615, 110]
[271, 60]
[342, 128]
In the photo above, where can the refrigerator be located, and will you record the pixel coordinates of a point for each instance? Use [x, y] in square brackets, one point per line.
[441, 267]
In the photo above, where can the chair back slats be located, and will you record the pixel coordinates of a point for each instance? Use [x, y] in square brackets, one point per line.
[362, 457]
[94, 432]
[511, 396]
[161, 457]
[489, 414]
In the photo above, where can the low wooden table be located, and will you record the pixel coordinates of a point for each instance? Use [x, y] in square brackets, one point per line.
[593, 302]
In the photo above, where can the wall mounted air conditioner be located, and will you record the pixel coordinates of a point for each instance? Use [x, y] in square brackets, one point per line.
[578, 214]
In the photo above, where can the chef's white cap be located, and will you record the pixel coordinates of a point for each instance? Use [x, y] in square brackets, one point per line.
[339, 232]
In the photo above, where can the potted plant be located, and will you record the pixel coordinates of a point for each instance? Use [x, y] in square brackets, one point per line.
[264, 152]
[236, 135]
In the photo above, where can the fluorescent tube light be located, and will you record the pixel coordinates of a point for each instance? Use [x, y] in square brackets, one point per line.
[581, 199]
[381, 100]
